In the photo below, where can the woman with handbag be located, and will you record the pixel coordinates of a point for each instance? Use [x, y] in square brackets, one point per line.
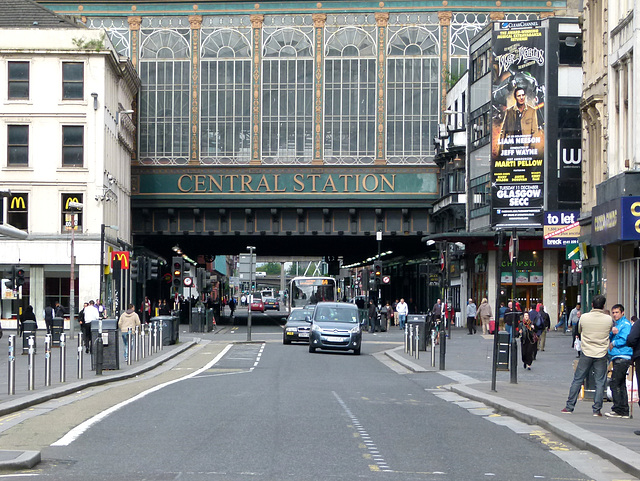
[529, 341]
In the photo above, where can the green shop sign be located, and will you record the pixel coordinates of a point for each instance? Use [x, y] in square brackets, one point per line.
[286, 184]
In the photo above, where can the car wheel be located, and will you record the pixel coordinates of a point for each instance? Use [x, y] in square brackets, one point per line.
[311, 348]
[356, 351]
[285, 341]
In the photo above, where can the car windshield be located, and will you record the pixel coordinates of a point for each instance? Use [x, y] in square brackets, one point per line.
[337, 314]
[299, 315]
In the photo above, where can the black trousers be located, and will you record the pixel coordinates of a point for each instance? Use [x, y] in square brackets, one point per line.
[471, 324]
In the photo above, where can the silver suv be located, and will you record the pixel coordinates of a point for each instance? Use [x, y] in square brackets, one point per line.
[335, 326]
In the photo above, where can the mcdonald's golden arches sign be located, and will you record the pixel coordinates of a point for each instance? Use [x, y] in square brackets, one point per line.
[122, 257]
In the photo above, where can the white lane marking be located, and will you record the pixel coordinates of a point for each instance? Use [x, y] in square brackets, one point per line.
[81, 428]
[371, 447]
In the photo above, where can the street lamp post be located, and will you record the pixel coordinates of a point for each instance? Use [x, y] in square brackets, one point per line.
[251, 269]
[74, 207]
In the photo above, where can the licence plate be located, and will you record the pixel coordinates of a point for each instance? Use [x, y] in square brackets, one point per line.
[303, 334]
[337, 339]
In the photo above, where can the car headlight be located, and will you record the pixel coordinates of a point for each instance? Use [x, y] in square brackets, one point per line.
[355, 330]
[291, 329]
[315, 328]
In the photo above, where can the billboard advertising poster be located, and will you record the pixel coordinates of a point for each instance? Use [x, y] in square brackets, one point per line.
[560, 229]
[517, 131]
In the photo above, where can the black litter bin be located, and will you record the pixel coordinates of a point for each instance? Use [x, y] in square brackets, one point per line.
[110, 343]
[504, 343]
[419, 320]
[29, 329]
[170, 328]
[57, 328]
[197, 319]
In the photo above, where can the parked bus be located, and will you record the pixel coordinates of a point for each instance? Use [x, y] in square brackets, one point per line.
[311, 290]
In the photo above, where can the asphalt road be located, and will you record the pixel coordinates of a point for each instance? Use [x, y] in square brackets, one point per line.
[266, 411]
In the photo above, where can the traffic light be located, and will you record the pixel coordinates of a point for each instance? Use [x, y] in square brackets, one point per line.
[19, 276]
[176, 272]
[187, 274]
[207, 282]
[134, 269]
[365, 279]
[11, 282]
[377, 273]
[153, 269]
[200, 278]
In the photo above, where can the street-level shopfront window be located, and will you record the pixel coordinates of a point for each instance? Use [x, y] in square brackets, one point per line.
[528, 279]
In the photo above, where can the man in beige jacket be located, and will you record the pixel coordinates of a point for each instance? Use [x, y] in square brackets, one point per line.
[594, 328]
[128, 319]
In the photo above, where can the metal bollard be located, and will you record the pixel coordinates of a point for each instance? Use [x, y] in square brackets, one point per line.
[160, 343]
[47, 360]
[406, 339]
[410, 341]
[80, 359]
[31, 374]
[12, 365]
[433, 348]
[99, 347]
[152, 338]
[143, 342]
[417, 342]
[137, 343]
[129, 345]
[149, 332]
[63, 357]
[443, 349]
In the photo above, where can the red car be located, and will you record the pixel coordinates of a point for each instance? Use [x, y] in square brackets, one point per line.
[256, 302]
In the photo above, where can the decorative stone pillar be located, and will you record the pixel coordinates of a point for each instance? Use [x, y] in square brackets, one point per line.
[445, 22]
[194, 118]
[256, 24]
[319, 20]
[134, 28]
[382, 20]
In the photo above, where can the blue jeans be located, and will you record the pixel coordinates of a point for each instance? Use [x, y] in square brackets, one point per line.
[585, 365]
[125, 343]
[402, 318]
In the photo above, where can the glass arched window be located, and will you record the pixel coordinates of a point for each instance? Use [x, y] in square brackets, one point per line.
[413, 71]
[225, 111]
[287, 95]
[164, 97]
[117, 29]
[464, 26]
[350, 95]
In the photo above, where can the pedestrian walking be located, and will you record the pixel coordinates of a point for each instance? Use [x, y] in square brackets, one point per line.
[373, 316]
[403, 311]
[546, 326]
[512, 319]
[594, 328]
[472, 311]
[620, 356]
[484, 314]
[529, 341]
[90, 314]
[49, 314]
[128, 319]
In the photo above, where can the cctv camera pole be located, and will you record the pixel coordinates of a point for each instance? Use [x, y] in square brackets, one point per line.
[72, 280]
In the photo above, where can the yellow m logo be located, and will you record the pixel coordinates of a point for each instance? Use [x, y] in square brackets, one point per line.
[70, 199]
[18, 203]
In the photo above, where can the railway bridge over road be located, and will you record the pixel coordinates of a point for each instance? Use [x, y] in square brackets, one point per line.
[283, 211]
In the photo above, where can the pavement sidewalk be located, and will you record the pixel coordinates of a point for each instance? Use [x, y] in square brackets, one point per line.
[24, 398]
[538, 396]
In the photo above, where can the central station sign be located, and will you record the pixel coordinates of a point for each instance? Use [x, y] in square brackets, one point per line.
[329, 182]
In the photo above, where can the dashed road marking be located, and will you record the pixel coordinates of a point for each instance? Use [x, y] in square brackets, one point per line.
[372, 450]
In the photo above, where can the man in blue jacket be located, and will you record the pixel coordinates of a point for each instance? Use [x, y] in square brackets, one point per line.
[620, 355]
